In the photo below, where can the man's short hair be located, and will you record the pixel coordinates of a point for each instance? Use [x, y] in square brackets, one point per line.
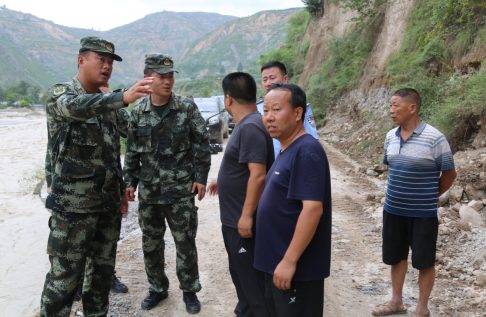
[84, 54]
[410, 95]
[241, 87]
[297, 98]
[272, 64]
[148, 72]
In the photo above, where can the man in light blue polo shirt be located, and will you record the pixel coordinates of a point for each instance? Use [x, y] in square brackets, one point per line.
[421, 169]
[276, 72]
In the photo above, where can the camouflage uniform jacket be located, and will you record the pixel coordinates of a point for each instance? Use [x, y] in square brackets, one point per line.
[161, 151]
[83, 158]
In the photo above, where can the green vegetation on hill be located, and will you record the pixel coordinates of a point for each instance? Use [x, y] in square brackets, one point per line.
[236, 42]
[438, 33]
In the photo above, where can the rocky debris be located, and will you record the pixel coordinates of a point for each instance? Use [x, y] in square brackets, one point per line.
[457, 207]
[473, 193]
[456, 193]
[476, 205]
[130, 223]
[481, 280]
[371, 172]
[468, 214]
[381, 168]
[359, 169]
[444, 199]
[335, 139]
[378, 214]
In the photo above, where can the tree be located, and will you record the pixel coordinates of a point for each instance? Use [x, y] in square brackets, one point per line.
[240, 67]
[3, 95]
[222, 70]
[315, 7]
[12, 99]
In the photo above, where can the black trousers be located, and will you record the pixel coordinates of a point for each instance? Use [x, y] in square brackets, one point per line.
[303, 299]
[248, 281]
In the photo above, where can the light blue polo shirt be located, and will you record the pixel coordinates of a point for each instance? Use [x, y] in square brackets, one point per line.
[415, 165]
[309, 126]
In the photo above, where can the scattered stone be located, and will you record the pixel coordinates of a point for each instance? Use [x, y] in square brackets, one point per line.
[444, 199]
[348, 169]
[476, 205]
[378, 214]
[370, 197]
[482, 175]
[383, 200]
[359, 169]
[371, 172]
[473, 193]
[484, 201]
[481, 280]
[456, 193]
[457, 207]
[335, 139]
[468, 214]
[381, 168]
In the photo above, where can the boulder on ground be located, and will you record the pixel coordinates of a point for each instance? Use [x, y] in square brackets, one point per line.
[476, 205]
[481, 280]
[335, 139]
[378, 214]
[473, 193]
[444, 199]
[359, 169]
[456, 193]
[371, 172]
[457, 207]
[381, 168]
[468, 214]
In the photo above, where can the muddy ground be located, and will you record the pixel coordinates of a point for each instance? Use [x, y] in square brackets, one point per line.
[358, 281]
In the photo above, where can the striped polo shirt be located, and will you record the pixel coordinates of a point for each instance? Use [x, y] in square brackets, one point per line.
[415, 165]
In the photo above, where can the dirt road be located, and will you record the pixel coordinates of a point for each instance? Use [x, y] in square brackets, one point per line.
[358, 278]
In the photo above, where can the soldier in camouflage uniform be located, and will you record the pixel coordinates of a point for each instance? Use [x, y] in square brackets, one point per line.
[168, 157]
[86, 180]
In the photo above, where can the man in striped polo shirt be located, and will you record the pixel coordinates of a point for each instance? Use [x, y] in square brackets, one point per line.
[421, 169]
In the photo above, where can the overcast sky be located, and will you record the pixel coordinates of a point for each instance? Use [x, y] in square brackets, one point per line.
[107, 14]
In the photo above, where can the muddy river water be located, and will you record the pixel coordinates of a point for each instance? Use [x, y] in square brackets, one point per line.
[23, 218]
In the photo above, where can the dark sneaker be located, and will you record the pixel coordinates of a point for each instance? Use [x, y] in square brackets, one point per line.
[193, 306]
[79, 293]
[117, 286]
[153, 300]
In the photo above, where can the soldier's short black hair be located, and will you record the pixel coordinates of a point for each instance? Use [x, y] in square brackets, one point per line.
[277, 64]
[84, 54]
[409, 95]
[148, 71]
[297, 98]
[241, 87]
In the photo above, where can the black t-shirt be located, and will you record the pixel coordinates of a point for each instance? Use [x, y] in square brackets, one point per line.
[301, 172]
[249, 143]
[160, 109]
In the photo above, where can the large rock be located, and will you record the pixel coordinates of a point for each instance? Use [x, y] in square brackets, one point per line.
[468, 214]
[476, 205]
[473, 193]
[481, 280]
[381, 168]
[371, 172]
[444, 199]
[478, 141]
[457, 207]
[456, 193]
[335, 139]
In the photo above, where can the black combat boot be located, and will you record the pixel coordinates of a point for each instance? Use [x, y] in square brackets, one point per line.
[193, 306]
[117, 286]
[153, 299]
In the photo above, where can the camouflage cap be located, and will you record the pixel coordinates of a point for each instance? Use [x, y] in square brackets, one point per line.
[97, 44]
[160, 63]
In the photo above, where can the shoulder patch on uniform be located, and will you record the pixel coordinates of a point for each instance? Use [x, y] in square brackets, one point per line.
[311, 121]
[59, 90]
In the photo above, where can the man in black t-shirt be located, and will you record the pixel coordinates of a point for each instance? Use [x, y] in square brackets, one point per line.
[293, 241]
[240, 183]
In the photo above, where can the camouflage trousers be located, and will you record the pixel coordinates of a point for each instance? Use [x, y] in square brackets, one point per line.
[182, 220]
[74, 237]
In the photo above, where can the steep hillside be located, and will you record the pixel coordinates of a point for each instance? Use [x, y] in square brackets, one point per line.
[42, 52]
[241, 40]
